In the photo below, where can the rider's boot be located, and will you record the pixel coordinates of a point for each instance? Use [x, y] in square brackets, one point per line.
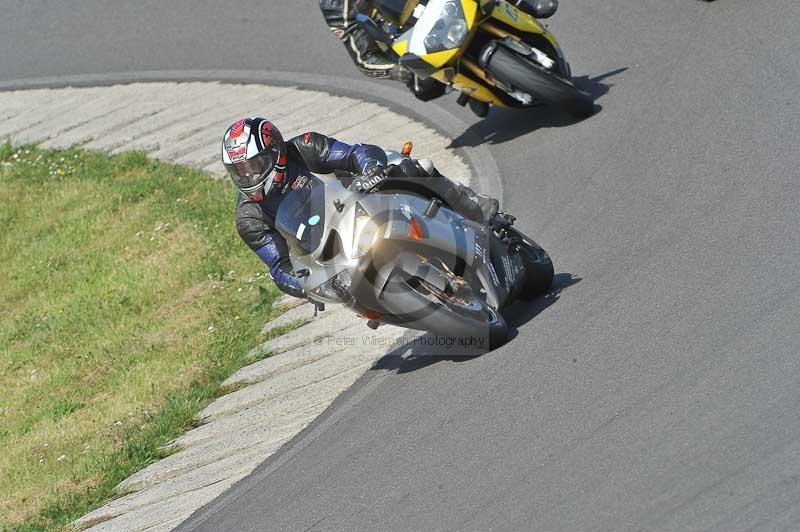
[370, 59]
[489, 207]
[461, 198]
[476, 207]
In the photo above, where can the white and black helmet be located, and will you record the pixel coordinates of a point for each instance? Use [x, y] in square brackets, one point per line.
[254, 155]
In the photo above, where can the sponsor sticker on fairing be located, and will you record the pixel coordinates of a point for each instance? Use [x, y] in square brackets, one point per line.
[299, 182]
[508, 271]
[495, 279]
[480, 253]
[511, 12]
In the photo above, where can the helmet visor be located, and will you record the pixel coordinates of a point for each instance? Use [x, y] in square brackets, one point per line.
[251, 174]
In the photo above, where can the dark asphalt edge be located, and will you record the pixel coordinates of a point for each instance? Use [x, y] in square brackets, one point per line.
[385, 93]
[357, 392]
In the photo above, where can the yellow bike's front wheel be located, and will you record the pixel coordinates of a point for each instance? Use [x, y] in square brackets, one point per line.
[528, 77]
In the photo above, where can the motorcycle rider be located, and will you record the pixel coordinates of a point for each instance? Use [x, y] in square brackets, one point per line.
[263, 168]
[340, 15]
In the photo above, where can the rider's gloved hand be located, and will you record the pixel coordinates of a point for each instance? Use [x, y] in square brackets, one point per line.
[373, 176]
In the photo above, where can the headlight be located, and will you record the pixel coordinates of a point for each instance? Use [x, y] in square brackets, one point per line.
[337, 287]
[451, 9]
[449, 31]
[365, 232]
[432, 41]
[456, 33]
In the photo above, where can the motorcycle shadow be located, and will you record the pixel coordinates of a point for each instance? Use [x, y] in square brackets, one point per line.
[503, 125]
[419, 350]
[521, 312]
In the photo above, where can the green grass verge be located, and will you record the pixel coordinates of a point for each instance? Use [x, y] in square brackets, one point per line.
[126, 297]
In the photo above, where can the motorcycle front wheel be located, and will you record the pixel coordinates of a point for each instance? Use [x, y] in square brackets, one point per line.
[464, 317]
[526, 76]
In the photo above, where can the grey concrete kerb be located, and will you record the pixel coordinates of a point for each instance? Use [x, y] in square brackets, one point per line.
[182, 122]
[486, 175]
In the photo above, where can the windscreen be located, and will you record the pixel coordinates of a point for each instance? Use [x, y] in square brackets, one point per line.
[301, 216]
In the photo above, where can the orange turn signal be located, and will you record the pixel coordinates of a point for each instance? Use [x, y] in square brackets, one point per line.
[415, 229]
[372, 315]
[407, 147]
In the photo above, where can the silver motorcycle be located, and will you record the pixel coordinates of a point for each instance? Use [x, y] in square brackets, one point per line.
[401, 256]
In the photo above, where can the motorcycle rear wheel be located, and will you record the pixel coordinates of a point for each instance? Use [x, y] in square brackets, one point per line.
[526, 76]
[539, 270]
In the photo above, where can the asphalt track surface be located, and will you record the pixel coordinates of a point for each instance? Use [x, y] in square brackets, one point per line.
[658, 387]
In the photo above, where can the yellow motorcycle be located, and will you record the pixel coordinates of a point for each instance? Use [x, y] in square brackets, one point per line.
[489, 50]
